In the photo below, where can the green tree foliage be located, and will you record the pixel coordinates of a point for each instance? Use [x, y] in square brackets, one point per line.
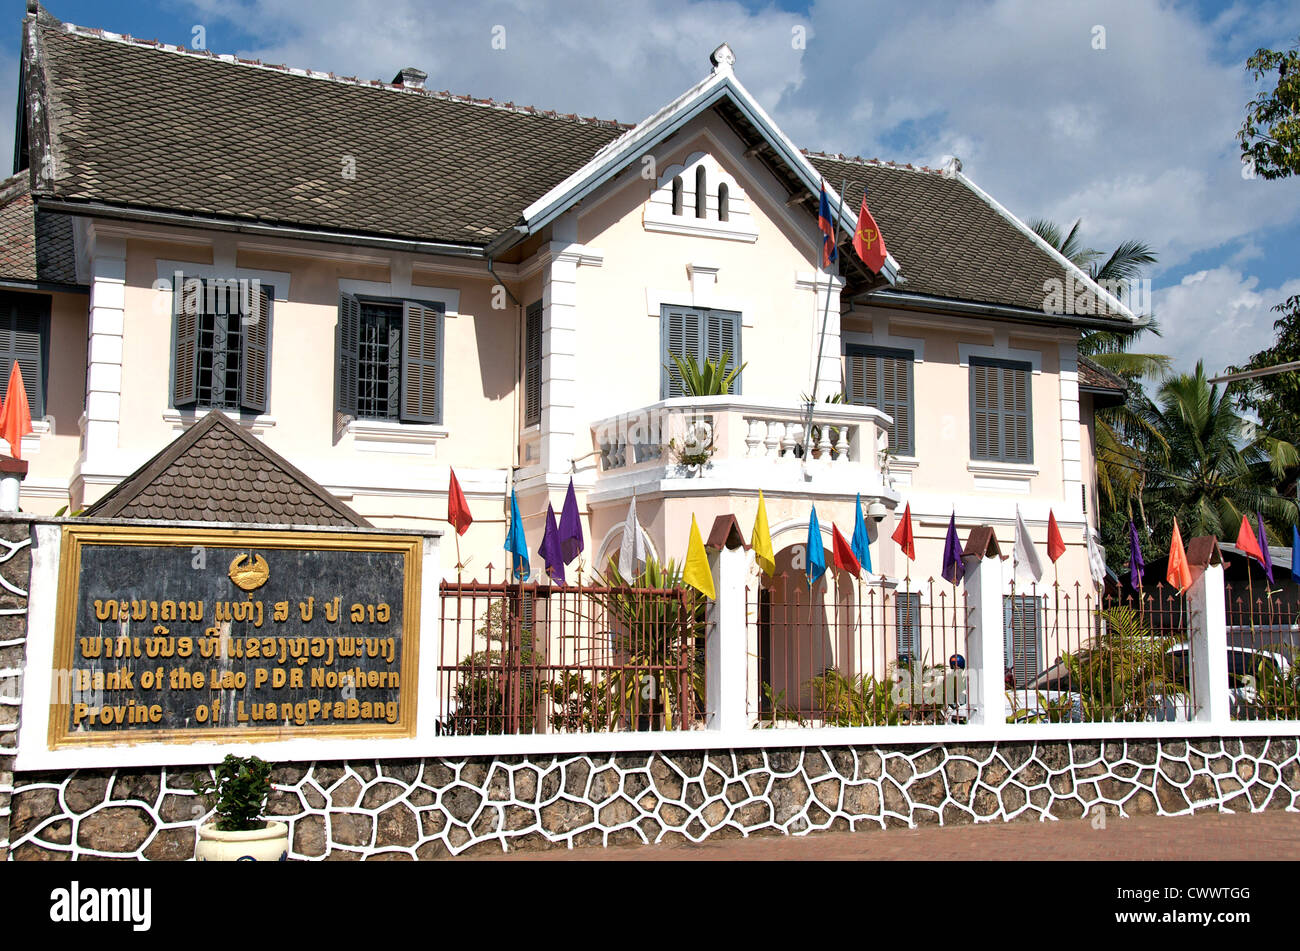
[1275, 399]
[1207, 466]
[1270, 134]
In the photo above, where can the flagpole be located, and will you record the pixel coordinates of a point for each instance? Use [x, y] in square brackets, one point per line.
[821, 343]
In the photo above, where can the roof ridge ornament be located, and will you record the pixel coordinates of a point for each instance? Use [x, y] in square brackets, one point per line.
[723, 59]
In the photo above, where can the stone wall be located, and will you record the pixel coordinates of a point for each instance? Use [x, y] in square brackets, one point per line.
[439, 807]
[15, 570]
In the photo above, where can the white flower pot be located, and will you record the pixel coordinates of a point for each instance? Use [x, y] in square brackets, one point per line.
[254, 845]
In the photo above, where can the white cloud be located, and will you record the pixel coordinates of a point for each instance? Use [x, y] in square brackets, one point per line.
[1219, 315]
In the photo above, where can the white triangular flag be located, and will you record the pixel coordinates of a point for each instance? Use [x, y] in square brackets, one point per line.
[1028, 567]
[1096, 559]
[632, 553]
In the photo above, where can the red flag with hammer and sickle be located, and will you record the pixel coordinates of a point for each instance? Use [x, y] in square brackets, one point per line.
[868, 242]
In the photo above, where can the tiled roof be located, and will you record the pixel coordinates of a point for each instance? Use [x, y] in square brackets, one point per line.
[215, 472]
[1099, 379]
[949, 242]
[34, 246]
[142, 125]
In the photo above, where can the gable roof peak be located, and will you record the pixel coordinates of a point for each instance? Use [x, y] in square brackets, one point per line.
[723, 59]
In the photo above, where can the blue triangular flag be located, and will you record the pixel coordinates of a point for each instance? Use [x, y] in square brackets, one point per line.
[516, 544]
[861, 544]
[1295, 554]
[816, 566]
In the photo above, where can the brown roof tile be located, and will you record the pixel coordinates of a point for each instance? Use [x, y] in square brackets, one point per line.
[216, 472]
[34, 246]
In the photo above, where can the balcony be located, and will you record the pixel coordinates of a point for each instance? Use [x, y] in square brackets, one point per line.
[705, 445]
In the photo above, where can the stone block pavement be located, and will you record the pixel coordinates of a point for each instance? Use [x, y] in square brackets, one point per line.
[1205, 836]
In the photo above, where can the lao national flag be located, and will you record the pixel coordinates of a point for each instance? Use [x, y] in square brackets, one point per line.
[827, 228]
[868, 242]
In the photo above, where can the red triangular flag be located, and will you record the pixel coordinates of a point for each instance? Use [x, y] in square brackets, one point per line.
[457, 507]
[868, 242]
[1180, 573]
[1247, 541]
[903, 534]
[16, 417]
[1055, 543]
[845, 560]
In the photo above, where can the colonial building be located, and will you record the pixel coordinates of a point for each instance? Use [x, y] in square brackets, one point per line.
[382, 281]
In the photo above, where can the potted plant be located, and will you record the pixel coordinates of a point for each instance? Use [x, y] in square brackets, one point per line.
[236, 793]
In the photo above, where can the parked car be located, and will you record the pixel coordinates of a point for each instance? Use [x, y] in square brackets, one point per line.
[1044, 697]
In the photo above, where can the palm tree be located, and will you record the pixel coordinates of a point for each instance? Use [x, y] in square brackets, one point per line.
[1208, 467]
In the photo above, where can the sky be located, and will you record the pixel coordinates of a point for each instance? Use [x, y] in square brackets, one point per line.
[1120, 112]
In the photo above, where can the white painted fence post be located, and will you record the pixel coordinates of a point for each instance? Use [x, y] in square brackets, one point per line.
[1208, 634]
[985, 653]
[726, 644]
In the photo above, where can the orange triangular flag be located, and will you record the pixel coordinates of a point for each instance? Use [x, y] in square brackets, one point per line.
[1055, 543]
[1180, 573]
[1246, 541]
[16, 417]
[903, 533]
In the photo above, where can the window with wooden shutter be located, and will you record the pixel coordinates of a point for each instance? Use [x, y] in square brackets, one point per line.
[907, 624]
[1001, 420]
[533, 365]
[421, 398]
[221, 344]
[1020, 623]
[701, 335]
[881, 377]
[24, 337]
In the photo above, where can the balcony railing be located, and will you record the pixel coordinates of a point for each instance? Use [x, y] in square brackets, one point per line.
[699, 435]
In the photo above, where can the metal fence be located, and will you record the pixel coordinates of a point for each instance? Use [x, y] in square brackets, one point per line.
[1071, 657]
[1263, 676]
[529, 658]
[850, 653]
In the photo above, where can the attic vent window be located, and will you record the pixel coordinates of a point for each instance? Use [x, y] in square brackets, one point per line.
[723, 193]
[411, 78]
[701, 193]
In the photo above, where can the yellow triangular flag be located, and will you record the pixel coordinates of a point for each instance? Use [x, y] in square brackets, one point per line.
[761, 539]
[697, 573]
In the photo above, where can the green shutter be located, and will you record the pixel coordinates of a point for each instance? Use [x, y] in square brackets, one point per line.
[722, 335]
[1001, 417]
[24, 328]
[682, 334]
[421, 363]
[533, 365]
[347, 353]
[255, 351]
[882, 377]
[1020, 636]
[185, 343]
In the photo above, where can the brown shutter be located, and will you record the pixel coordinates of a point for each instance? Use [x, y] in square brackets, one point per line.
[185, 343]
[421, 364]
[255, 351]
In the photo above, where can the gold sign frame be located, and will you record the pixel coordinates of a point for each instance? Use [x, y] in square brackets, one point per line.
[75, 537]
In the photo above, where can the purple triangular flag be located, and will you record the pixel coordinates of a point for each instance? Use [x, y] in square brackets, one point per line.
[1263, 547]
[571, 545]
[1135, 563]
[550, 548]
[953, 568]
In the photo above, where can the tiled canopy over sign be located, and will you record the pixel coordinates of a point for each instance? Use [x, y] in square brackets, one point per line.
[217, 473]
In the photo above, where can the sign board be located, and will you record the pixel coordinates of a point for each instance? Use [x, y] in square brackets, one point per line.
[206, 635]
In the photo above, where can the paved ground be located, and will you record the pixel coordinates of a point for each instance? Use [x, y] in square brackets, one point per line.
[1268, 835]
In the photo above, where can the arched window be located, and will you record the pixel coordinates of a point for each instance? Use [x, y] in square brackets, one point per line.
[723, 195]
[677, 195]
[701, 193]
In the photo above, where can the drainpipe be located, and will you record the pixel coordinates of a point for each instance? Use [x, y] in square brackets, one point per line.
[12, 473]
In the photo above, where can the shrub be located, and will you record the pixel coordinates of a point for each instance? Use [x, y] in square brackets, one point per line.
[237, 792]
